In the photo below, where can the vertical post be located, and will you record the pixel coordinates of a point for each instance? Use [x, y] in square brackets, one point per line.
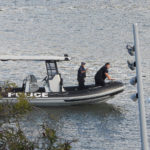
[141, 103]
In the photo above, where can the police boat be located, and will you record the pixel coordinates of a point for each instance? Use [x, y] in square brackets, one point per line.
[53, 92]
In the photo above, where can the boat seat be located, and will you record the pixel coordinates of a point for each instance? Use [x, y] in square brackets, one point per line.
[56, 84]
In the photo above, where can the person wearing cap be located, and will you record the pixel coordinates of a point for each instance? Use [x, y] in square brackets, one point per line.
[81, 76]
[102, 74]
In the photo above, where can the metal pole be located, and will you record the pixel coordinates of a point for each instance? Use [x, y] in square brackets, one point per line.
[141, 103]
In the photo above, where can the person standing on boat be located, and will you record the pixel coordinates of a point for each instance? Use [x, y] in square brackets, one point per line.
[81, 76]
[102, 74]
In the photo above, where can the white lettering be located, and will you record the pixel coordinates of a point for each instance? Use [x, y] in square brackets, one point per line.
[37, 94]
[11, 94]
[29, 95]
[44, 94]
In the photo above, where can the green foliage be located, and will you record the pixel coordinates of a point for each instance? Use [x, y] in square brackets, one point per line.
[1, 108]
[23, 105]
[53, 141]
[50, 134]
[14, 140]
[5, 109]
[9, 109]
[7, 87]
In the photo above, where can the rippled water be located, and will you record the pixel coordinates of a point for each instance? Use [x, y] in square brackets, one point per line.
[94, 31]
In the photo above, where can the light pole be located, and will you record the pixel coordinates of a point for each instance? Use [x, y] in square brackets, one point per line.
[135, 50]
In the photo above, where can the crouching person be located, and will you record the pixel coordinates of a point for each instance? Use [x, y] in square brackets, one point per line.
[102, 74]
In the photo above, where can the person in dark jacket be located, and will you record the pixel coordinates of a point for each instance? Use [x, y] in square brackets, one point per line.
[102, 74]
[81, 76]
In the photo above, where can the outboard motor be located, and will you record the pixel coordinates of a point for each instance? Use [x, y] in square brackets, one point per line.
[30, 84]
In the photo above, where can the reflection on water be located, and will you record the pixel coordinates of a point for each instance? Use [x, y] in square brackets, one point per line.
[103, 109]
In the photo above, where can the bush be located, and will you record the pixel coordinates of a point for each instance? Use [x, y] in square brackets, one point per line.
[14, 140]
[7, 87]
[53, 141]
[23, 105]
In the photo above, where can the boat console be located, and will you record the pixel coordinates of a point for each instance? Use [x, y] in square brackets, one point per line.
[53, 80]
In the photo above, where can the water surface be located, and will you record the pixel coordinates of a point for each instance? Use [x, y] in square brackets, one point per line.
[96, 32]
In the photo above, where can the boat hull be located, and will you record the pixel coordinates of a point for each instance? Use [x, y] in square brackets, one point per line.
[91, 94]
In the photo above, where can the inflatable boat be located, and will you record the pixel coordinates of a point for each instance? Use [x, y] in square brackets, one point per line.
[53, 92]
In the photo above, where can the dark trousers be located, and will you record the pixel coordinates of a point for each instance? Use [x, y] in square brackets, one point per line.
[99, 82]
[81, 84]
